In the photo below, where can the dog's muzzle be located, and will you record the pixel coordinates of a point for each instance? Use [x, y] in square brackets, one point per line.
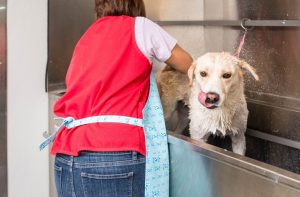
[209, 100]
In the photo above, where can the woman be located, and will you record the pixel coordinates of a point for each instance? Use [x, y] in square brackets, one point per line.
[109, 74]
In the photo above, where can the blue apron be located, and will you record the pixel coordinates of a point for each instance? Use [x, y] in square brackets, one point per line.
[157, 157]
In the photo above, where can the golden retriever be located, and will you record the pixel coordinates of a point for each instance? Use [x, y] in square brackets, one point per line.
[214, 91]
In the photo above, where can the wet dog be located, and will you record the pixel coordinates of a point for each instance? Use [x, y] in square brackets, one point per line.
[214, 93]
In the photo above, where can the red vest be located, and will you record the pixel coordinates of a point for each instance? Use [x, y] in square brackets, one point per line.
[108, 75]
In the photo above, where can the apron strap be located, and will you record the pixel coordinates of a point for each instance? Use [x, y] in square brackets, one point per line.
[70, 122]
[106, 118]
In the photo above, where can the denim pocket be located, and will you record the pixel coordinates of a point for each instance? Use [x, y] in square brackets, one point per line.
[58, 176]
[107, 185]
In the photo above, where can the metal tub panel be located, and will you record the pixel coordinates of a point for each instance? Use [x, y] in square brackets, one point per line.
[216, 9]
[254, 9]
[273, 51]
[3, 154]
[269, 9]
[214, 38]
[3, 100]
[174, 10]
[273, 120]
[191, 38]
[223, 10]
[3, 66]
[199, 169]
[3, 149]
[52, 98]
[274, 154]
[68, 20]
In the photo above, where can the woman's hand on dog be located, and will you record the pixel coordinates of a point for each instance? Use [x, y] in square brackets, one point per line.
[180, 59]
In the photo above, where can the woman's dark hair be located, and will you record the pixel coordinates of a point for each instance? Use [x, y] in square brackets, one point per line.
[119, 7]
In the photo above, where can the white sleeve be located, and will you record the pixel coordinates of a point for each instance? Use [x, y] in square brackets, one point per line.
[152, 40]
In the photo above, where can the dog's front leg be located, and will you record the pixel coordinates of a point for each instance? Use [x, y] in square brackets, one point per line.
[196, 135]
[239, 143]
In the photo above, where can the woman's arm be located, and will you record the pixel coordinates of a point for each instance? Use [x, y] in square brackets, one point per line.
[155, 42]
[180, 59]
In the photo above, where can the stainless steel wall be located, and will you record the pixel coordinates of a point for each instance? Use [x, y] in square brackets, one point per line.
[68, 20]
[3, 102]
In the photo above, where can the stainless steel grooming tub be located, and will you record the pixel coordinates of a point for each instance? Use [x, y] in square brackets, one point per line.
[200, 169]
[272, 47]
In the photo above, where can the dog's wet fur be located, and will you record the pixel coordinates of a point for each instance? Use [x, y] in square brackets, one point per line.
[213, 90]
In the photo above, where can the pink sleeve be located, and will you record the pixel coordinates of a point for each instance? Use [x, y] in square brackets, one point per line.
[152, 40]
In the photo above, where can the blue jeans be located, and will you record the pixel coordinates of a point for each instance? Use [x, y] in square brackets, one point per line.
[100, 174]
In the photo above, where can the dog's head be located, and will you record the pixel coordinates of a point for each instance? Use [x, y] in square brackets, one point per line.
[216, 75]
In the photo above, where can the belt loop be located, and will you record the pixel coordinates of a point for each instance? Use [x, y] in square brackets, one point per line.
[134, 155]
[72, 161]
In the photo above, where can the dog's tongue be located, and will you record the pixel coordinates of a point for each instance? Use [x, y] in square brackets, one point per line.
[202, 98]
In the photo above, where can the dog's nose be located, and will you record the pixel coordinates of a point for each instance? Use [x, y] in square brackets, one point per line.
[212, 98]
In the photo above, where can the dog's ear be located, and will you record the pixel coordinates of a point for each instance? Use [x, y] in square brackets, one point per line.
[191, 73]
[246, 66]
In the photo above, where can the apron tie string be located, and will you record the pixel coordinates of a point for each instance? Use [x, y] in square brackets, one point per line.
[65, 123]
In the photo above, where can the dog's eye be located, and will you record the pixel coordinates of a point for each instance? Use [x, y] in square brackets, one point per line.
[226, 75]
[203, 74]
